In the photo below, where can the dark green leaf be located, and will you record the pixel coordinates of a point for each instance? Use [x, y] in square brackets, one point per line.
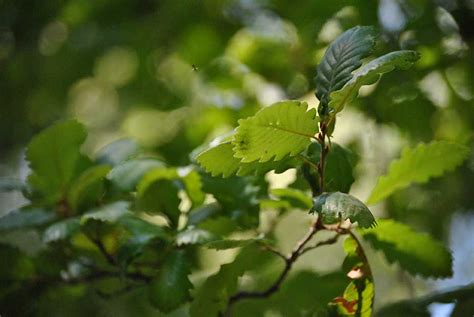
[170, 288]
[340, 164]
[334, 207]
[342, 57]
[88, 188]
[231, 244]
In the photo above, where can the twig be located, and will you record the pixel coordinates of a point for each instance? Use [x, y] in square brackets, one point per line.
[321, 243]
[110, 259]
[289, 261]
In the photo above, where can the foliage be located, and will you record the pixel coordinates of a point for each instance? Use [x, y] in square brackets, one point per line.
[165, 223]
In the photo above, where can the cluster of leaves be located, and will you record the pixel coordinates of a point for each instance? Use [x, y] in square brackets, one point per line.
[129, 220]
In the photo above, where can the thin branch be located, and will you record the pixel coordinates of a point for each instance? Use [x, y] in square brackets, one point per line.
[289, 261]
[321, 243]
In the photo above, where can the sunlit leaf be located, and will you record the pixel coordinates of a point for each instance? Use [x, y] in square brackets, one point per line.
[195, 236]
[416, 253]
[334, 207]
[418, 165]
[358, 299]
[282, 129]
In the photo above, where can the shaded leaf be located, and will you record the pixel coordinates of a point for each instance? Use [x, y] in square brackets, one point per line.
[127, 175]
[118, 152]
[61, 230]
[369, 74]
[334, 207]
[340, 164]
[54, 156]
[232, 244]
[294, 197]
[276, 131]
[88, 188]
[418, 165]
[170, 288]
[342, 57]
[212, 297]
[416, 253]
[107, 213]
[25, 217]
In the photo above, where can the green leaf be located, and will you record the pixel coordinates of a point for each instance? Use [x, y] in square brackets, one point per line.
[194, 236]
[418, 165]
[25, 217]
[282, 129]
[118, 152]
[54, 157]
[336, 206]
[294, 197]
[238, 198]
[141, 234]
[160, 196]
[219, 160]
[369, 74]
[170, 288]
[417, 253]
[192, 185]
[342, 57]
[212, 297]
[8, 184]
[358, 299]
[232, 244]
[108, 213]
[340, 164]
[88, 188]
[127, 175]
[61, 230]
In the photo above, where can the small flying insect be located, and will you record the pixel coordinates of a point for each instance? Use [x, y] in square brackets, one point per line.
[195, 68]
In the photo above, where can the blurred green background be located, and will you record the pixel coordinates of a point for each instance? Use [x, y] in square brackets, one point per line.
[174, 74]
